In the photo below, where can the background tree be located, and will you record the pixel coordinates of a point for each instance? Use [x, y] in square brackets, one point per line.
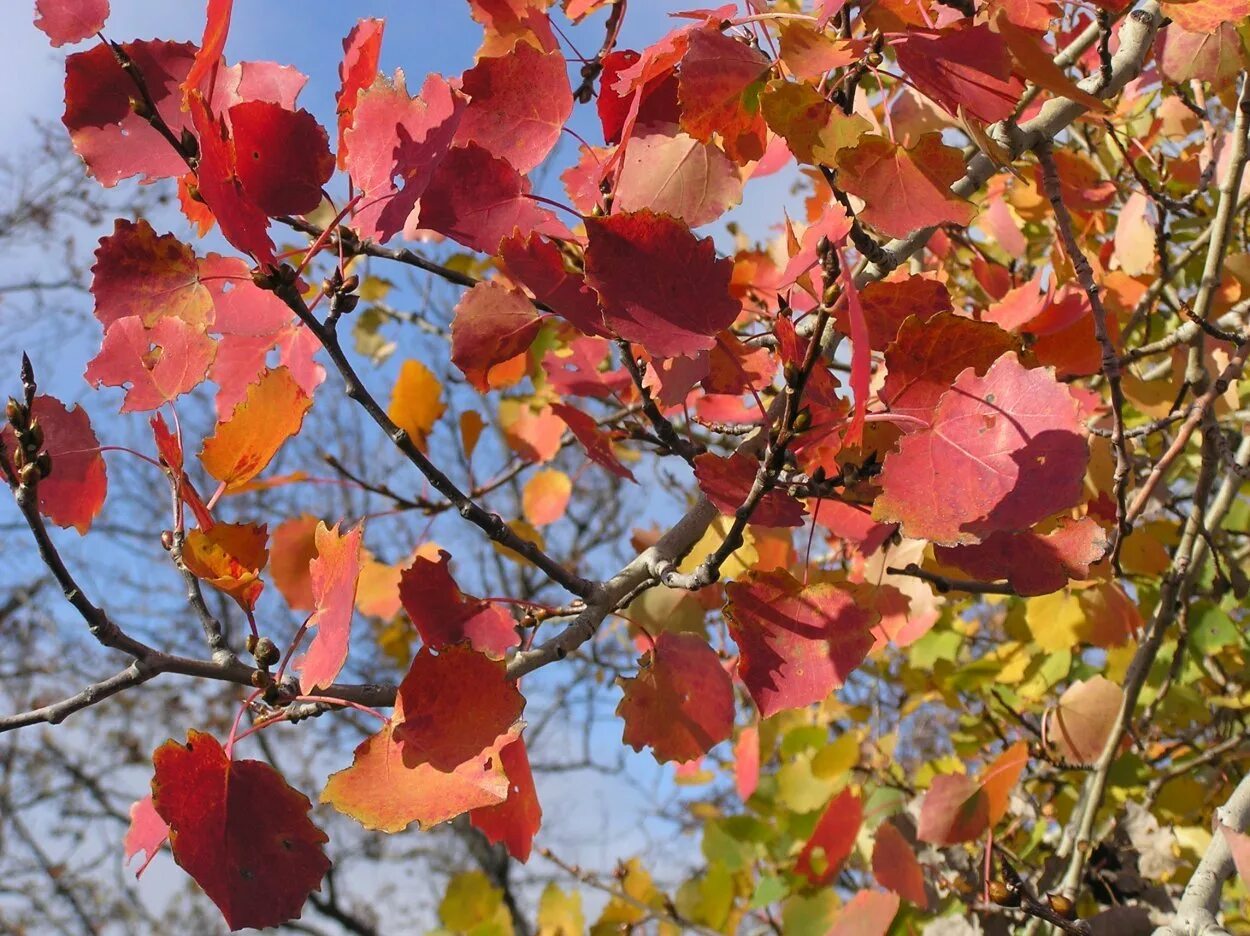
[1003, 688]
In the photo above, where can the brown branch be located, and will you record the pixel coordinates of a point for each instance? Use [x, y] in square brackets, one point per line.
[945, 584]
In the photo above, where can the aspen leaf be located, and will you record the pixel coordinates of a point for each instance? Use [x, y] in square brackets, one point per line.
[895, 867]
[832, 840]
[239, 830]
[245, 443]
[229, 556]
[416, 402]
[516, 820]
[545, 497]
[333, 576]
[1084, 718]
[492, 324]
[153, 277]
[147, 833]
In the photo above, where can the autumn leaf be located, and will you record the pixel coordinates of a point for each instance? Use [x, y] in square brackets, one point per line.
[239, 830]
[292, 548]
[67, 21]
[147, 833]
[832, 840]
[904, 190]
[747, 761]
[1002, 452]
[114, 141]
[726, 482]
[444, 615]
[895, 867]
[1033, 563]
[208, 58]
[677, 175]
[518, 104]
[1037, 64]
[244, 444]
[1084, 719]
[596, 443]
[537, 264]
[516, 820]
[397, 137]
[456, 702]
[333, 576]
[73, 492]
[492, 324]
[797, 643]
[682, 302]
[868, 913]
[282, 157]
[681, 702]
[229, 556]
[416, 402]
[159, 363]
[716, 73]
[361, 49]
[545, 496]
[137, 273]
[965, 69]
[955, 809]
[652, 103]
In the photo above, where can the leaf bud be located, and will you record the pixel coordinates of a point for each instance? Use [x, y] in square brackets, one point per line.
[16, 413]
[29, 474]
[873, 59]
[266, 652]
[791, 372]
[345, 303]
[167, 540]
[1062, 905]
[139, 108]
[251, 643]
[818, 476]
[264, 279]
[43, 461]
[1003, 895]
[33, 436]
[261, 679]
[803, 421]
[351, 284]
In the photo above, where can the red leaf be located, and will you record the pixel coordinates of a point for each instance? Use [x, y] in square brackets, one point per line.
[597, 445]
[895, 867]
[66, 21]
[159, 363]
[516, 820]
[798, 644]
[444, 615]
[1003, 452]
[833, 224]
[888, 303]
[657, 103]
[1033, 563]
[147, 833]
[834, 837]
[861, 354]
[747, 761]
[1239, 846]
[868, 913]
[727, 481]
[492, 324]
[678, 175]
[681, 703]
[396, 137]
[684, 299]
[73, 493]
[385, 790]
[138, 273]
[333, 575]
[968, 69]
[242, 223]
[518, 104]
[240, 307]
[904, 189]
[282, 157]
[716, 73]
[479, 199]
[455, 704]
[954, 810]
[359, 68]
[111, 138]
[927, 356]
[239, 830]
[208, 58]
[574, 370]
[537, 264]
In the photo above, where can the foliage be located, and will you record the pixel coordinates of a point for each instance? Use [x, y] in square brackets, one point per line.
[995, 360]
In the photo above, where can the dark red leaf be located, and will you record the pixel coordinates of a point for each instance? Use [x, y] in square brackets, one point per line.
[728, 481]
[537, 264]
[456, 702]
[657, 104]
[492, 324]
[832, 840]
[444, 615]
[516, 820]
[681, 703]
[684, 299]
[716, 73]
[797, 644]
[968, 69]
[239, 830]
[282, 157]
[595, 441]
[1032, 563]
[138, 273]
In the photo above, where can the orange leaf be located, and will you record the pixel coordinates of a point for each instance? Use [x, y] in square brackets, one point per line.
[243, 445]
[416, 402]
[229, 556]
[294, 546]
[1001, 776]
[1036, 64]
[546, 496]
[895, 867]
[333, 575]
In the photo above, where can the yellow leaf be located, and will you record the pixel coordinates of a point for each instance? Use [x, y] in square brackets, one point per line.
[740, 560]
[560, 914]
[243, 445]
[416, 402]
[1055, 620]
[546, 496]
[229, 557]
[471, 426]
